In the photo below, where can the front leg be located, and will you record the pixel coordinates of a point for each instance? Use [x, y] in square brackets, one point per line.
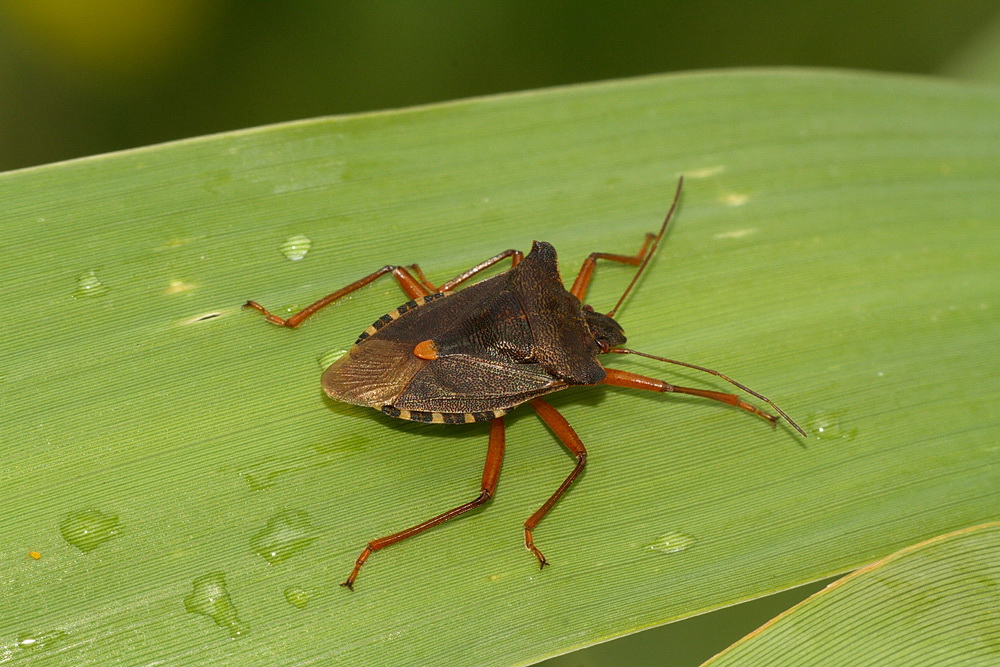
[410, 285]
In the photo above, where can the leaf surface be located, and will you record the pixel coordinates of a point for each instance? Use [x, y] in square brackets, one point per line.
[837, 249]
[935, 601]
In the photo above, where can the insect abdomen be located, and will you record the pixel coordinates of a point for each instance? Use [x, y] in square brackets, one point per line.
[395, 313]
[443, 417]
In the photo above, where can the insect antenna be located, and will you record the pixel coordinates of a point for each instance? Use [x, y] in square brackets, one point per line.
[622, 350]
[652, 249]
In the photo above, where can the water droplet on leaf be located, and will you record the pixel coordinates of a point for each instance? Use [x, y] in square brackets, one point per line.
[296, 247]
[327, 358]
[211, 598]
[671, 542]
[89, 285]
[89, 529]
[286, 534]
[40, 640]
[297, 597]
[829, 426]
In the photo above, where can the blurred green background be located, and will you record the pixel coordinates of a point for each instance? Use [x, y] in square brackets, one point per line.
[83, 78]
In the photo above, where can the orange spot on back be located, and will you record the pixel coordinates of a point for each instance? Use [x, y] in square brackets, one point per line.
[425, 349]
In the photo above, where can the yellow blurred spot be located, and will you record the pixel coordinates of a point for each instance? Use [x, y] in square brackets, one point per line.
[35, 554]
[179, 287]
[107, 36]
[705, 172]
[734, 234]
[734, 199]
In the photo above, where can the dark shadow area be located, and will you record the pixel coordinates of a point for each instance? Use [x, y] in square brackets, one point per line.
[690, 642]
[90, 78]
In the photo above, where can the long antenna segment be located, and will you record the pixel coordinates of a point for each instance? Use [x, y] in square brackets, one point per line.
[652, 250]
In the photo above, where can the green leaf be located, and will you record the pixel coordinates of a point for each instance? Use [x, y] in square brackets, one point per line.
[189, 488]
[979, 58]
[934, 599]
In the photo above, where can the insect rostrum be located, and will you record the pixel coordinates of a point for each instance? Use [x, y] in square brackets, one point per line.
[459, 356]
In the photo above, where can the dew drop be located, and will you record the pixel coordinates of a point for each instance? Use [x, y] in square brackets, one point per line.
[327, 358]
[355, 443]
[297, 597]
[671, 543]
[296, 247]
[40, 640]
[211, 598]
[89, 285]
[89, 529]
[263, 475]
[286, 534]
[829, 426]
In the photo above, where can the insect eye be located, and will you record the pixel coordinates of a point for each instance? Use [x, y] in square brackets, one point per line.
[588, 308]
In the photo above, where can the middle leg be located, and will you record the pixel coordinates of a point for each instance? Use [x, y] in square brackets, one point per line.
[515, 255]
[515, 258]
[572, 442]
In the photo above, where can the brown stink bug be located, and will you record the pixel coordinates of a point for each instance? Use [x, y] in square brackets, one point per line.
[456, 357]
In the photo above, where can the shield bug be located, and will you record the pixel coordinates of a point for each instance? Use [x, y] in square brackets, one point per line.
[452, 356]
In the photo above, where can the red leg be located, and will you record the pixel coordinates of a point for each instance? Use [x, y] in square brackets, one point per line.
[582, 282]
[571, 440]
[423, 279]
[491, 475]
[515, 255]
[619, 378]
[410, 285]
[640, 259]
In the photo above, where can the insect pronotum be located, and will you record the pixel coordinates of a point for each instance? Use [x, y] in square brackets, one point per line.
[456, 357]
